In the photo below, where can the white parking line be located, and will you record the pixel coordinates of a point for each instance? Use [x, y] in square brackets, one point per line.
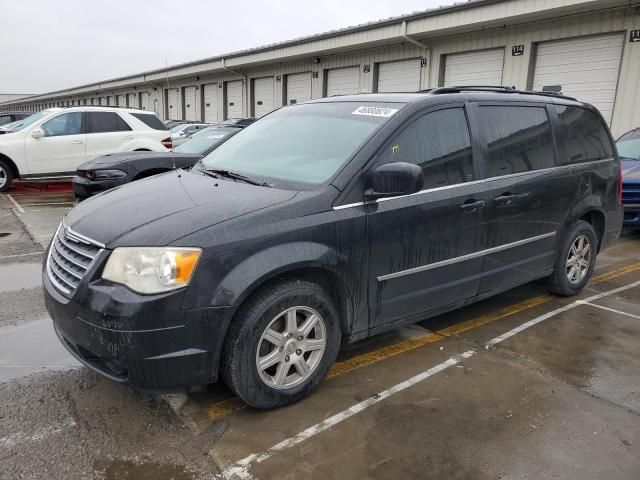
[22, 255]
[69, 204]
[16, 204]
[240, 469]
[613, 310]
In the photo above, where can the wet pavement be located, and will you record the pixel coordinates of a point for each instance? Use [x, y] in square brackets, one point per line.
[523, 385]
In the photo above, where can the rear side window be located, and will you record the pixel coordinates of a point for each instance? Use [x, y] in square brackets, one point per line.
[585, 135]
[519, 139]
[440, 143]
[104, 122]
[150, 121]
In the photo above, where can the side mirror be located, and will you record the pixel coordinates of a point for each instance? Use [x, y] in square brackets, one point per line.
[37, 133]
[394, 179]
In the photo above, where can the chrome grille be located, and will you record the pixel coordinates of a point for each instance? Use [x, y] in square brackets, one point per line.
[70, 257]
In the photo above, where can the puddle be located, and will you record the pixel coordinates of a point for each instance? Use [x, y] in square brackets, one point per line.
[17, 276]
[30, 348]
[127, 470]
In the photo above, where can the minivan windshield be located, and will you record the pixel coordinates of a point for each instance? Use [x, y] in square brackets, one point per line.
[629, 145]
[301, 143]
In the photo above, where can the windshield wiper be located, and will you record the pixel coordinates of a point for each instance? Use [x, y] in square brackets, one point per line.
[206, 172]
[236, 176]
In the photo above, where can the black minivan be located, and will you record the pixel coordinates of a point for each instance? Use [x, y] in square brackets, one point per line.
[327, 222]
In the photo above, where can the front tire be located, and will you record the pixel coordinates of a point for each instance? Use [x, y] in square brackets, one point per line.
[576, 260]
[281, 345]
[6, 176]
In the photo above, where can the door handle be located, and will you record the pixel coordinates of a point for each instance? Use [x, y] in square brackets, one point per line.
[77, 142]
[472, 205]
[129, 137]
[504, 199]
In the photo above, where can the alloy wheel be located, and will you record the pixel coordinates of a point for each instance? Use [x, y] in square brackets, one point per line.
[579, 259]
[3, 177]
[291, 347]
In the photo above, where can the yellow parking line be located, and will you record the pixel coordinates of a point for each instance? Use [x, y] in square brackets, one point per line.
[227, 407]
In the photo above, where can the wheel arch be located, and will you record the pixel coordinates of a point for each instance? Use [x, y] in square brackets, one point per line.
[12, 165]
[300, 260]
[597, 220]
[591, 211]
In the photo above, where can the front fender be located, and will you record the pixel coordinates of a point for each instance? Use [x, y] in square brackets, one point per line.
[253, 271]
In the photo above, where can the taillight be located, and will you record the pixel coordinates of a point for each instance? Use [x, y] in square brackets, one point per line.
[167, 142]
[620, 184]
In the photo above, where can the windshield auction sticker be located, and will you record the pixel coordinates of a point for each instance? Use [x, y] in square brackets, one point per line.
[375, 111]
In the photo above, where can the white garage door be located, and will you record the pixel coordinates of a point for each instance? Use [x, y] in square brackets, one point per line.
[482, 67]
[211, 103]
[298, 88]
[173, 106]
[110, 100]
[234, 99]
[131, 100]
[122, 102]
[190, 110]
[586, 68]
[144, 100]
[343, 81]
[262, 96]
[402, 76]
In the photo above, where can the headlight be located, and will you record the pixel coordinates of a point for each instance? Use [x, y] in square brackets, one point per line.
[104, 174]
[151, 269]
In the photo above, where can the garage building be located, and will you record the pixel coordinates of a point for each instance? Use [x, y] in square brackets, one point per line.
[588, 49]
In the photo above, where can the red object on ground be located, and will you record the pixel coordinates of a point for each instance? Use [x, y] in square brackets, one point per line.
[26, 186]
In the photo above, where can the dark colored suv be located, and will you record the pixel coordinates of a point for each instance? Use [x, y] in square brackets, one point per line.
[327, 222]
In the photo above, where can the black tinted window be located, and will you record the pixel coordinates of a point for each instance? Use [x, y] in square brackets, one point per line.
[440, 143]
[103, 122]
[65, 124]
[519, 139]
[585, 135]
[150, 121]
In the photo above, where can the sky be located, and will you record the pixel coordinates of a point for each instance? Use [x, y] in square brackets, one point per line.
[50, 45]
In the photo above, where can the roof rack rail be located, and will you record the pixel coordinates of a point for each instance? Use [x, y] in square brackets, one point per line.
[493, 88]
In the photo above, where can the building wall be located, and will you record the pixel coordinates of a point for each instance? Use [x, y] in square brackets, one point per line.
[440, 36]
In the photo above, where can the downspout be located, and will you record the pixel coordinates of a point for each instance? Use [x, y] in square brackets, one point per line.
[403, 34]
[245, 82]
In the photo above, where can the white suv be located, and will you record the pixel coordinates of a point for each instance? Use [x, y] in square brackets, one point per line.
[53, 143]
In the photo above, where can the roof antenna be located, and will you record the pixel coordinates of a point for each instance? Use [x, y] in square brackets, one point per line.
[173, 156]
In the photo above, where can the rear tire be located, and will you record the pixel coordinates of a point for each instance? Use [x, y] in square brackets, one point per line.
[269, 358]
[6, 176]
[576, 260]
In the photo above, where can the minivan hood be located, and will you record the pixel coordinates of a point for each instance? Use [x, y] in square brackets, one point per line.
[159, 210]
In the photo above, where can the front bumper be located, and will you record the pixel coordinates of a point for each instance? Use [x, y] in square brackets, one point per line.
[147, 341]
[85, 188]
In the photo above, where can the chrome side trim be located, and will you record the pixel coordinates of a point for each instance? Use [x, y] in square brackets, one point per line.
[463, 258]
[457, 185]
[475, 182]
[349, 205]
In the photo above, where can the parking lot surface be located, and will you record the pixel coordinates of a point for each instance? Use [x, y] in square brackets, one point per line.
[522, 385]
